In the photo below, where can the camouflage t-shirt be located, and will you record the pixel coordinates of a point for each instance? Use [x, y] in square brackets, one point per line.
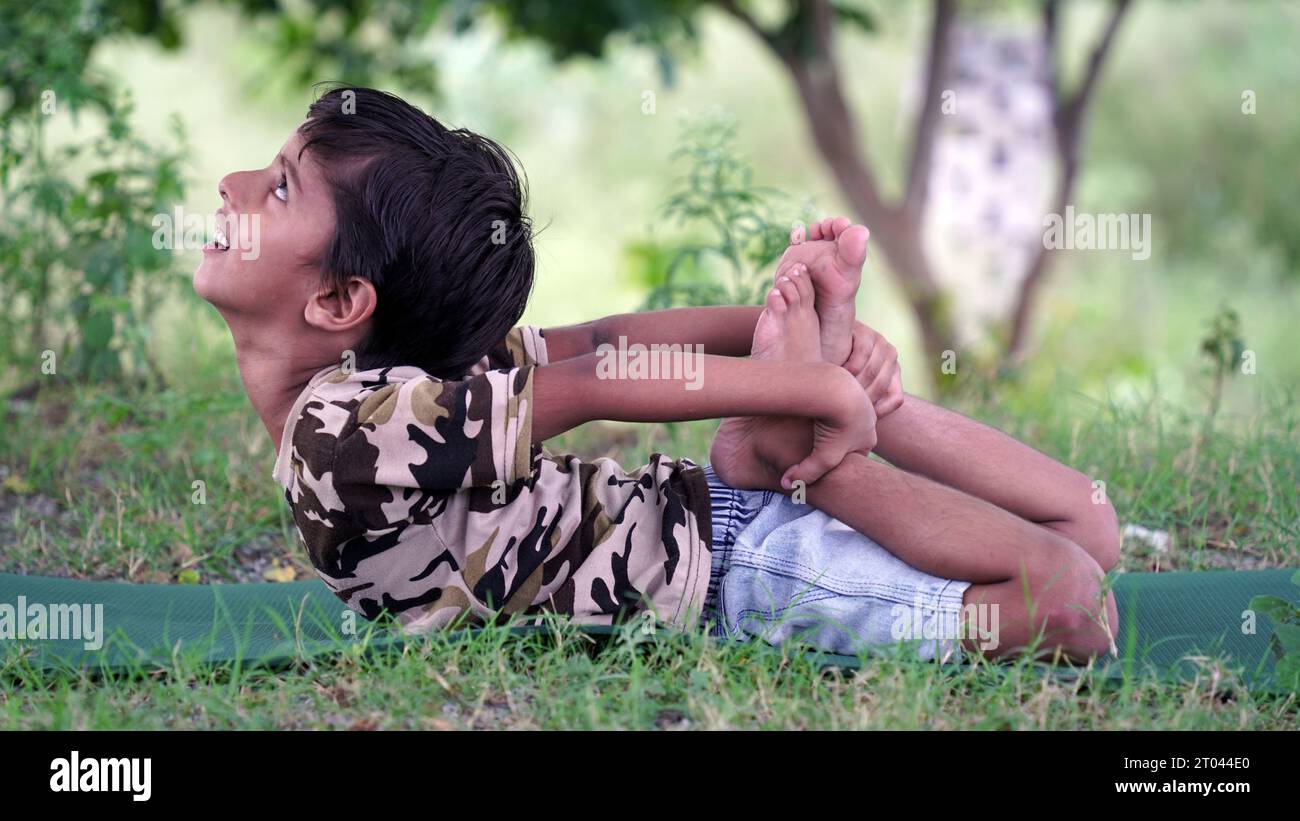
[428, 498]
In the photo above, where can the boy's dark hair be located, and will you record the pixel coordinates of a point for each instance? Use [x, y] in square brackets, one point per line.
[433, 217]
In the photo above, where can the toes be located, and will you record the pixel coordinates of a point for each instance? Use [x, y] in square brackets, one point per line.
[803, 284]
[775, 302]
[797, 234]
[783, 269]
[789, 291]
[828, 228]
[851, 245]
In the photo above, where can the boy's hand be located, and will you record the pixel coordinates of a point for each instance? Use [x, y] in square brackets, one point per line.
[851, 428]
[773, 452]
[873, 361]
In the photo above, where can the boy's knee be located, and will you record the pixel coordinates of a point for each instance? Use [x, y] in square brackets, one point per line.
[1077, 614]
[1094, 526]
[1104, 535]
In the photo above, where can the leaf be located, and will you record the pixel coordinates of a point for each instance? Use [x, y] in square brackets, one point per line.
[1276, 608]
[1288, 635]
[96, 331]
[188, 576]
[1288, 672]
[17, 484]
[279, 573]
[859, 17]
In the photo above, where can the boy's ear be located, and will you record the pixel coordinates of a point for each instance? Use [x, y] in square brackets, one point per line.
[342, 308]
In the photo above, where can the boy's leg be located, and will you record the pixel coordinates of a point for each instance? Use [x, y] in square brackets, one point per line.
[930, 440]
[949, 448]
[943, 445]
[1040, 581]
[1043, 584]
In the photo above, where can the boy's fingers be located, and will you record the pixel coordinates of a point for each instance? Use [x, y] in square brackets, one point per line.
[893, 393]
[896, 384]
[882, 353]
[860, 352]
[888, 405]
[879, 386]
[812, 468]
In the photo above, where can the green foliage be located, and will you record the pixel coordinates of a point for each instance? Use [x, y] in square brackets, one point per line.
[572, 29]
[370, 42]
[731, 224]
[77, 260]
[1285, 640]
[47, 46]
[321, 37]
[582, 29]
[1224, 347]
[1203, 136]
[138, 472]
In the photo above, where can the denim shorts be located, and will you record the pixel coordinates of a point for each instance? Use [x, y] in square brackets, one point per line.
[786, 571]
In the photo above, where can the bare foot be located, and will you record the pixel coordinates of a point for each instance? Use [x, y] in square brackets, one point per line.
[735, 457]
[788, 329]
[751, 452]
[834, 254]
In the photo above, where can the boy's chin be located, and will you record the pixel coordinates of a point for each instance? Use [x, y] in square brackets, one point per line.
[211, 287]
[201, 280]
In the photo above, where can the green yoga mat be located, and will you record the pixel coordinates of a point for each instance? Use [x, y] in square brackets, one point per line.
[1172, 624]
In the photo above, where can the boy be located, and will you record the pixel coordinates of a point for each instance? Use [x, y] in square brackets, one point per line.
[375, 336]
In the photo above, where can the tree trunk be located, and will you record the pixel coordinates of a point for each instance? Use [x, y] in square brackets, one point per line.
[809, 58]
[1069, 119]
[896, 232]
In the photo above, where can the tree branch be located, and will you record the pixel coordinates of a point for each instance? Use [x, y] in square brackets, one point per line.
[1071, 114]
[834, 128]
[823, 17]
[1069, 121]
[808, 56]
[732, 8]
[1051, 14]
[918, 173]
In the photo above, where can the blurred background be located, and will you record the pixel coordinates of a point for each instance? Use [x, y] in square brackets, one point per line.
[669, 147]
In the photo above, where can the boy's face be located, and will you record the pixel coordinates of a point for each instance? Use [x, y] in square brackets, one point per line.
[277, 221]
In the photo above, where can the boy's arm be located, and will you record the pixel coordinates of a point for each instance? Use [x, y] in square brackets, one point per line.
[722, 330]
[953, 450]
[726, 330]
[575, 391]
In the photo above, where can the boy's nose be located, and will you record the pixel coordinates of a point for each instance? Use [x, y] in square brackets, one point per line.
[234, 187]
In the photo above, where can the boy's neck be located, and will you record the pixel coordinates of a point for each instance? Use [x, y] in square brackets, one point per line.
[273, 380]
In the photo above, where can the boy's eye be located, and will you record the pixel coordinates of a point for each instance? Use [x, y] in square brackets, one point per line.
[283, 186]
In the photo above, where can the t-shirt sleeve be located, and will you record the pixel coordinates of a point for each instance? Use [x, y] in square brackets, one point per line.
[437, 434]
[523, 346]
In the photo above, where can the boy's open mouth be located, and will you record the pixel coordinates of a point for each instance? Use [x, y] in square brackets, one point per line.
[219, 241]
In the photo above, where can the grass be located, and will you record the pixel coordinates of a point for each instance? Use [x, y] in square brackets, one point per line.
[95, 485]
[675, 681]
